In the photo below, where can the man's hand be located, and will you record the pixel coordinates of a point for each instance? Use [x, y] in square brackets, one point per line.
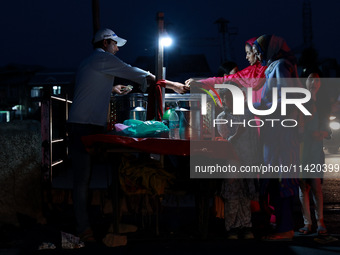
[121, 89]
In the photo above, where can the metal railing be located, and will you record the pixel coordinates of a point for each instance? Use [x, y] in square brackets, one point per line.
[49, 125]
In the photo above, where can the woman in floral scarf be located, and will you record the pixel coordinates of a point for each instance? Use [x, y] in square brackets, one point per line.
[280, 144]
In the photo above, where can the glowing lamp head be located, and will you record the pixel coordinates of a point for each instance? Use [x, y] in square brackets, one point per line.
[166, 41]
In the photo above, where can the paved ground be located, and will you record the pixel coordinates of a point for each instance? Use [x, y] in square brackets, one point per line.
[178, 235]
[178, 232]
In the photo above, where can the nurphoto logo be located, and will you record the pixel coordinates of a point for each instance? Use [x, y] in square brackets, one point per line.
[239, 100]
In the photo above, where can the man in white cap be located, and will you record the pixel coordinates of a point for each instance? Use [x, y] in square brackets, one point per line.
[88, 113]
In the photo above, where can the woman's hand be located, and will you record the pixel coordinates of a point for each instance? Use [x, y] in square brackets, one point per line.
[191, 82]
[178, 87]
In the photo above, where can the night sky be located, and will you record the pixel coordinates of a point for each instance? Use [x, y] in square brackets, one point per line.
[58, 33]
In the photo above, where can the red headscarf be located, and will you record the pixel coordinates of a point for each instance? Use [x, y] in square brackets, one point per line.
[251, 41]
[251, 76]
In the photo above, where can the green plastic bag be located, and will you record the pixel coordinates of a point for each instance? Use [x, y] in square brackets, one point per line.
[150, 128]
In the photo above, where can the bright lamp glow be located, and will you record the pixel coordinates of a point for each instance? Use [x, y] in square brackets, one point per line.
[334, 125]
[166, 41]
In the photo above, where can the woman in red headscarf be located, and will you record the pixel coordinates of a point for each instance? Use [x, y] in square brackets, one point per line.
[235, 207]
[252, 76]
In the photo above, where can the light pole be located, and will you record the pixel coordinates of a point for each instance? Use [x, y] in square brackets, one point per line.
[160, 49]
[163, 41]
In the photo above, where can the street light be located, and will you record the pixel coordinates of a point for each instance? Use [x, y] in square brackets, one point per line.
[163, 41]
[160, 49]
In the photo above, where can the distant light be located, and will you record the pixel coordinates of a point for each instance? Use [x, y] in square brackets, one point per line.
[5, 116]
[56, 90]
[166, 41]
[334, 125]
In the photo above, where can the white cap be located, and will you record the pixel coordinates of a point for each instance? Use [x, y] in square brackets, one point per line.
[106, 33]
